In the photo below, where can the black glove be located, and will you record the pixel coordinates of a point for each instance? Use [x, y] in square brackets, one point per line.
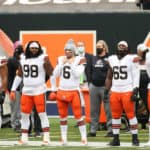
[2, 97]
[135, 95]
[106, 94]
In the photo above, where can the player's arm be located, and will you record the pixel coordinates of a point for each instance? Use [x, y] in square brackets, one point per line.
[4, 77]
[78, 70]
[135, 74]
[136, 79]
[16, 82]
[59, 67]
[108, 81]
[147, 62]
[57, 72]
[48, 66]
[18, 79]
[53, 83]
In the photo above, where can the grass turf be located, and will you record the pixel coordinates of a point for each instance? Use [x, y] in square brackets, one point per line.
[7, 134]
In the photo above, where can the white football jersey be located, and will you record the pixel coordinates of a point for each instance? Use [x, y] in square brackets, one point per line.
[33, 75]
[125, 73]
[147, 62]
[69, 73]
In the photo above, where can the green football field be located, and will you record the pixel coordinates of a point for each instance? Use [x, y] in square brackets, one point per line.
[8, 137]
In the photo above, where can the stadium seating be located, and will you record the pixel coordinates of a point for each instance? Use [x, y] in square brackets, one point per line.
[69, 6]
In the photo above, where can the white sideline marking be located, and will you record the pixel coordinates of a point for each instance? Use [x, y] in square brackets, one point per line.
[72, 144]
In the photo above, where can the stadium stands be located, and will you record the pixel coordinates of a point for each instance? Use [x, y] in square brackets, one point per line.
[72, 6]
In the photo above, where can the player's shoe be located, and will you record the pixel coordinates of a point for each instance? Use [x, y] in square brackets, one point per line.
[45, 143]
[135, 140]
[115, 142]
[63, 142]
[20, 142]
[84, 142]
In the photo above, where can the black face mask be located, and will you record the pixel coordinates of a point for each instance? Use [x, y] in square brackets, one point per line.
[99, 51]
[18, 51]
[121, 53]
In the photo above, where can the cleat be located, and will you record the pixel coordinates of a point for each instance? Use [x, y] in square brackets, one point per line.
[115, 142]
[45, 143]
[20, 142]
[63, 142]
[135, 140]
[84, 142]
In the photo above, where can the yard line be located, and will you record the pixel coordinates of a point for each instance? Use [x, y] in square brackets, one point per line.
[72, 144]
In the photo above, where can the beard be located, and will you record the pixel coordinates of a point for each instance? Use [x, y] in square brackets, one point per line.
[34, 55]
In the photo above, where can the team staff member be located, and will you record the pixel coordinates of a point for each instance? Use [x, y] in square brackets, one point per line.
[69, 69]
[34, 66]
[99, 69]
[123, 78]
[13, 64]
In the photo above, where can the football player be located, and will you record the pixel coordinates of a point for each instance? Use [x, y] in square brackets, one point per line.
[147, 62]
[34, 66]
[123, 78]
[3, 83]
[69, 69]
[143, 83]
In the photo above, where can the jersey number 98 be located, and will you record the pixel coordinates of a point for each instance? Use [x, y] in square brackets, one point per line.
[30, 71]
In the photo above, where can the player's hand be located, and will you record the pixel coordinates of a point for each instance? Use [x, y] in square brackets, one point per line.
[135, 95]
[52, 96]
[82, 61]
[12, 95]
